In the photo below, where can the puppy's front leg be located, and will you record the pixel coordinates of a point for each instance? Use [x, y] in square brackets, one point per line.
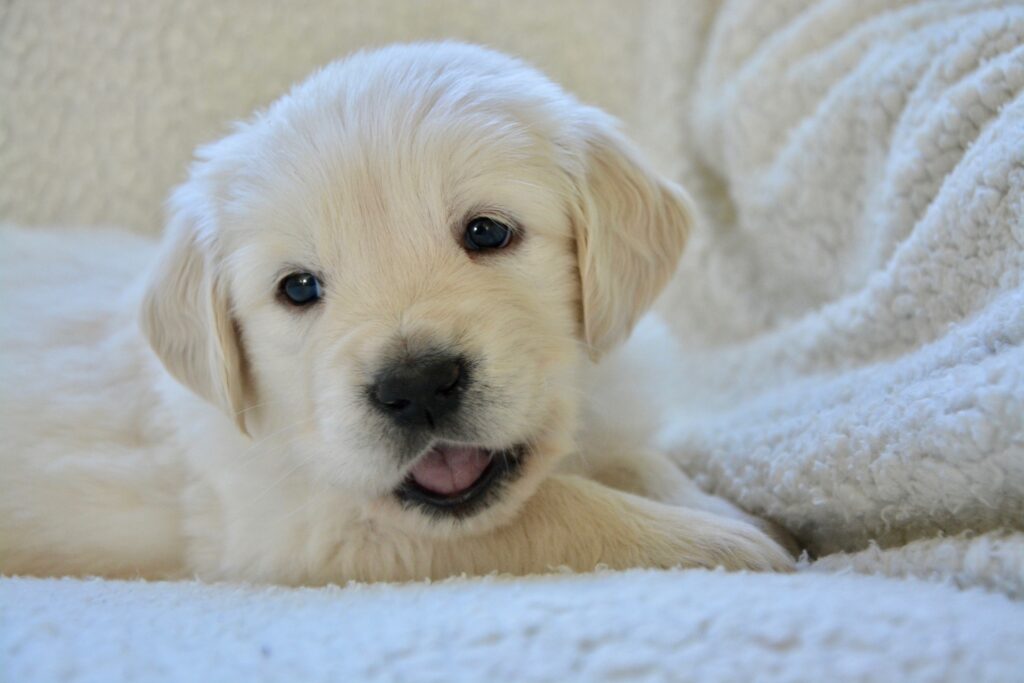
[652, 475]
[580, 524]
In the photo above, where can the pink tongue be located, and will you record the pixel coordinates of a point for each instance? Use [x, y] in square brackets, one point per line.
[450, 469]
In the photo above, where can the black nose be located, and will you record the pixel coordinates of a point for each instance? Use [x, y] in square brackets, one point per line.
[420, 392]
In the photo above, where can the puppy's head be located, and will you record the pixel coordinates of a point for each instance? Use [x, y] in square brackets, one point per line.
[395, 271]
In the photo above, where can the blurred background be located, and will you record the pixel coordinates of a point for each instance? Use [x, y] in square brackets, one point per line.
[104, 100]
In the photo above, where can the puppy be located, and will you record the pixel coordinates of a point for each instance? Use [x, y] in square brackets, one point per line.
[368, 325]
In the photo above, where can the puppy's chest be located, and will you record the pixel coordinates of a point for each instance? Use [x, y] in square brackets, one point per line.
[291, 532]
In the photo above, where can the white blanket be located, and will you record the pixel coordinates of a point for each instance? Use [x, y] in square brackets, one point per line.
[852, 319]
[632, 626]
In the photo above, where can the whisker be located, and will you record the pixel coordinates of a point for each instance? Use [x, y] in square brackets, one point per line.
[298, 508]
[254, 448]
[261, 404]
[288, 473]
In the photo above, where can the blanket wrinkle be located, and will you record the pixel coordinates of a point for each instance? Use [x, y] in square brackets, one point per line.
[637, 625]
[853, 367]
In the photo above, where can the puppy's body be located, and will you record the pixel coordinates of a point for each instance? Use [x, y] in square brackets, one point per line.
[118, 461]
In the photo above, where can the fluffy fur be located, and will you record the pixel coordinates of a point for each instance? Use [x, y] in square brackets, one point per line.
[238, 443]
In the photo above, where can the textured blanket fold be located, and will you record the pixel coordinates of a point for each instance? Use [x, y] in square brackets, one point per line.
[853, 336]
[630, 626]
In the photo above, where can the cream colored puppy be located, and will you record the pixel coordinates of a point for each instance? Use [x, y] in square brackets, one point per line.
[366, 327]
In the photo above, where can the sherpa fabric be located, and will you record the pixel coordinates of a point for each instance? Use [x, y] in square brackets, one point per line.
[852, 319]
[849, 312]
[631, 626]
[994, 560]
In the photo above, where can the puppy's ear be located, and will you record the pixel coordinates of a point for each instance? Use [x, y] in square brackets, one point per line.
[630, 226]
[186, 313]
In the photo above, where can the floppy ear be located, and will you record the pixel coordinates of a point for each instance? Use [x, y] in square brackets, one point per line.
[630, 226]
[186, 313]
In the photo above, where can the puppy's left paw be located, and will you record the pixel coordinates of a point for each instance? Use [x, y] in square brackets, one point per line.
[744, 546]
[779, 534]
[670, 536]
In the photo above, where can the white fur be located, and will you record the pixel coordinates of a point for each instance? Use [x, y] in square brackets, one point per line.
[244, 447]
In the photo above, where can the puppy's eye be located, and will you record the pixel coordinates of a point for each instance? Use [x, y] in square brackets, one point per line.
[486, 233]
[300, 289]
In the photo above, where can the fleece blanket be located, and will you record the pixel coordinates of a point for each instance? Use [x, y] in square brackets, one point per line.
[631, 626]
[847, 321]
[851, 317]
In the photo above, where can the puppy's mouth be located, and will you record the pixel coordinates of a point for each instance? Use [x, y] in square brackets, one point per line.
[458, 480]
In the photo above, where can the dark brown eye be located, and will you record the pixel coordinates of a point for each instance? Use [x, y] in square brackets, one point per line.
[301, 289]
[485, 234]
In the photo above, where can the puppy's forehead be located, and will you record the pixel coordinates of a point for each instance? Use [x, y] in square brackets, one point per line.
[378, 146]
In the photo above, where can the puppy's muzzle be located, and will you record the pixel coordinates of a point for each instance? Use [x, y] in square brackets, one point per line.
[424, 396]
[421, 391]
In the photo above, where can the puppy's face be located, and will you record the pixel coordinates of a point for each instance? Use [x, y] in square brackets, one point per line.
[394, 273]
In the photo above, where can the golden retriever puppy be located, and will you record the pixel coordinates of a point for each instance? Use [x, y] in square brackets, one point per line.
[367, 327]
